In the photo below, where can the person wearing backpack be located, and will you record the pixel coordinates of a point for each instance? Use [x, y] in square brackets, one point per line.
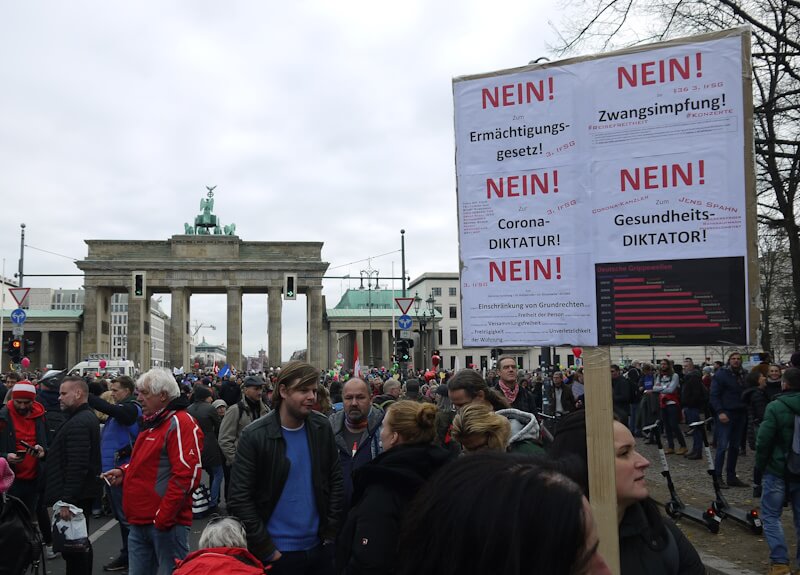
[777, 454]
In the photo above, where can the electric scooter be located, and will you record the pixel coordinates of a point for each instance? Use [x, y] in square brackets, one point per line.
[675, 507]
[749, 519]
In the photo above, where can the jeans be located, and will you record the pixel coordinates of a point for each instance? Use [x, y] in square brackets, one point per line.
[728, 437]
[115, 498]
[774, 493]
[632, 424]
[693, 414]
[216, 484]
[153, 552]
[315, 561]
[670, 415]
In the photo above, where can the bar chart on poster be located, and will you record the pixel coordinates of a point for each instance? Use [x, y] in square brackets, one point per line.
[671, 302]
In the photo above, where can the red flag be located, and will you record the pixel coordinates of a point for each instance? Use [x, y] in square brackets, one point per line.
[356, 362]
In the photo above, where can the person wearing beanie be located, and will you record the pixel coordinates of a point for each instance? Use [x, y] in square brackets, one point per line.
[22, 419]
[209, 423]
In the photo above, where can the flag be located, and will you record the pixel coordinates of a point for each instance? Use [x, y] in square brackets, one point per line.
[225, 371]
[356, 362]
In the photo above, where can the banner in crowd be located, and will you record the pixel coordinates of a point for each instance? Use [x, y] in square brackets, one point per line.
[603, 200]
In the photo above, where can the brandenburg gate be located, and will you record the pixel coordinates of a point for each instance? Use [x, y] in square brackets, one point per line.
[207, 258]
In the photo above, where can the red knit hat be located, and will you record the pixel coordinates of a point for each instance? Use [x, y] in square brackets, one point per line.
[23, 390]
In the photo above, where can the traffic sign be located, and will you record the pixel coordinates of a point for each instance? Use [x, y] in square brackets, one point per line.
[405, 333]
[17, 330]
[404, 303]
[404, 322]
[20, 294]
[18, 316]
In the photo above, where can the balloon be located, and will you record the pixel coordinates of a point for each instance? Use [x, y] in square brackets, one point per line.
[577, 351]
[435, 360]
[103, 363]
[25, 362]
[196, 365]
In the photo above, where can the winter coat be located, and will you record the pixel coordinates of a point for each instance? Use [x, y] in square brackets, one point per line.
[756, 400]
[383, 491]
[567, 398]
[652, 544]
[726, 390]
[693, 392]
[54, 418]
[622, 394]
[774, 387]
[208, 420]
[669, 390]
[261, 469]
[215, 560]
[230, 392]
[73, 460]
[120, 430]
[237, 417]
[368, 448]
[9, 440]
[164, 469]
[775, 433]
[525, 432]
[525, 400]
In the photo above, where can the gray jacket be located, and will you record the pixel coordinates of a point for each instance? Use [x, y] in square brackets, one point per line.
[237, 417]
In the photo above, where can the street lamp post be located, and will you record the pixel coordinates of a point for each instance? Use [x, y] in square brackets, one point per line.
[368, 275]
[428, 314]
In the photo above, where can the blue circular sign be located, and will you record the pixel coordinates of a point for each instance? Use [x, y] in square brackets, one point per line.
[18, 316]
[404, 321]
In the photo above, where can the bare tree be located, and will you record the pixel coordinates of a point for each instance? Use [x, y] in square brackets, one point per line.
[775, 24]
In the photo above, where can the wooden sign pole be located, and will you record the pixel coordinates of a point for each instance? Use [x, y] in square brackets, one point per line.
[600, 450]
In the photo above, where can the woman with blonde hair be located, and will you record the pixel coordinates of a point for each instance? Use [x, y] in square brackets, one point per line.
[477, 427]
[384, 488]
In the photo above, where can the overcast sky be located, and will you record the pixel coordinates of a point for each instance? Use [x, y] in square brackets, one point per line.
[318, 121]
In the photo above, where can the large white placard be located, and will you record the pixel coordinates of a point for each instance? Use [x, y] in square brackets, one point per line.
[614, 164]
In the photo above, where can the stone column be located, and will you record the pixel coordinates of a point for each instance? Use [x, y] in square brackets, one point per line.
[235, 328]
[274, 311]
[96, 321]
[180, 354]
[139, 351]
[44, 348]
[360, 342]
[385, 350]
[72, 349]
[315, 335]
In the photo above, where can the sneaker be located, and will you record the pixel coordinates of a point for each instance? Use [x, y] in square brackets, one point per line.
[681, 451]
[669, 451]
[49, 553]
[722, 483]
[779, 569]
[736, 482]
[118, 564]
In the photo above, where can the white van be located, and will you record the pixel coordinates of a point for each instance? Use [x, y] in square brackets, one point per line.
[113, 367]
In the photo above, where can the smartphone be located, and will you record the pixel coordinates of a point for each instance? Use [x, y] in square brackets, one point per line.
[104, 478]
[22, 454]
[27, 445]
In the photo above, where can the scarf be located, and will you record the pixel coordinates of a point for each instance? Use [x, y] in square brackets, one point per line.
[511, 394]
[353, 427]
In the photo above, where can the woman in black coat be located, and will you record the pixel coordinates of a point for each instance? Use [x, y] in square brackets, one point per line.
[384, 488]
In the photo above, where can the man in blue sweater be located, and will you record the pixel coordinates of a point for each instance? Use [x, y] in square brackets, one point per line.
[286, 481]
[731, 413]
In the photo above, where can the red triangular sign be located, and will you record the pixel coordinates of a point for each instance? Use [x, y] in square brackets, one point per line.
[404, 303]
[21, 294]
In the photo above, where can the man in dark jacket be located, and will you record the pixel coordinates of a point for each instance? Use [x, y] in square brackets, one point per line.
[286, 482]
[693, 400]
[357, 429]
[22, 419]
[518, 396]
[622, 391]
[726, 399]
[772, 447]
[73, 463]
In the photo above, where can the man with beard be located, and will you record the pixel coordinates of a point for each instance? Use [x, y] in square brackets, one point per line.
[22, 419]
[286, 481]
[357, 429]
[519, 397]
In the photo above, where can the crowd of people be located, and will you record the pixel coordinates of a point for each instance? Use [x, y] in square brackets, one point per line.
[346, 473]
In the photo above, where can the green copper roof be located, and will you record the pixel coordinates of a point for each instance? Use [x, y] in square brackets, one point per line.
[364, 299]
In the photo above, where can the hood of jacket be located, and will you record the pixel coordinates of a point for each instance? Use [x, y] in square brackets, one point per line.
[37, 409]
[404, 467]
[48, 398]
[237, 553]
[523, 425]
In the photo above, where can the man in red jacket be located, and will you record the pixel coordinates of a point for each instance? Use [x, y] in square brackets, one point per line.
[157, 484]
